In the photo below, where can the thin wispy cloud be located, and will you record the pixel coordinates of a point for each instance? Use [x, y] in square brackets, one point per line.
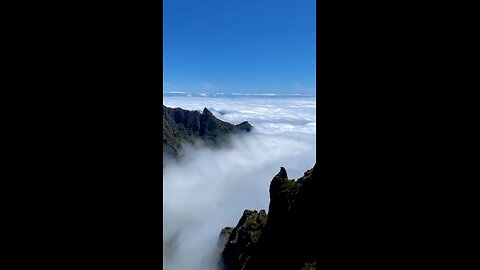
[303, 88]
[208, 86]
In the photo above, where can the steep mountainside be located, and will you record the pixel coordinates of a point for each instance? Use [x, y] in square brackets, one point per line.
[285, 238]
[187, 126]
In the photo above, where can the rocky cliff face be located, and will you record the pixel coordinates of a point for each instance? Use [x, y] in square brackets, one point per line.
[181, 125]
[285, 238]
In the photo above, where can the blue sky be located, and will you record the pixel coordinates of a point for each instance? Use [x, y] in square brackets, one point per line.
[243, 46]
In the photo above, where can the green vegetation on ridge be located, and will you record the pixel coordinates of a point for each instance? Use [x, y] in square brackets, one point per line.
[285, 238]
[181, 126]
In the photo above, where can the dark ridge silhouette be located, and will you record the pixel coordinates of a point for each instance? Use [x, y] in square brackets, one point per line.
[283, 239]
[181, 126]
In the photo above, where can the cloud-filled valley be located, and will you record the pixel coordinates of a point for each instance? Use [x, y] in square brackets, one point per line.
[208, 189]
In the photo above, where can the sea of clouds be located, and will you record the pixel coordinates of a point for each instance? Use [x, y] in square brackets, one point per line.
[210, 188]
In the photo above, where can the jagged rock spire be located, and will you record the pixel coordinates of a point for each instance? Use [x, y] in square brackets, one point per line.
[282, 175]
[206, 111]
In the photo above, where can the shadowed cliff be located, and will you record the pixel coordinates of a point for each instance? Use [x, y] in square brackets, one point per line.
[283, 239]
[180, 126]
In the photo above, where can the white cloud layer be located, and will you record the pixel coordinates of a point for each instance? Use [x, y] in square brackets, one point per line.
[209, 189]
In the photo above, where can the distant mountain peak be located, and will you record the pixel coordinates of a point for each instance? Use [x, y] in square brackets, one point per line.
[245, 126]
[181, 126]
[206, 111]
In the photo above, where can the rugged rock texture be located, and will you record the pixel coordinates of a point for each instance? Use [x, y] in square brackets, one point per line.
[287, 237]
[187, 126]
[241, 244]
[224, 235]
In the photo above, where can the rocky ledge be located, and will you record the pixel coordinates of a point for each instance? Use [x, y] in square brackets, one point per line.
[285, 238]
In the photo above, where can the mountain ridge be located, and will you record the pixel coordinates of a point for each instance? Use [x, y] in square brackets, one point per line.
[181, 126]
[285, 238]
